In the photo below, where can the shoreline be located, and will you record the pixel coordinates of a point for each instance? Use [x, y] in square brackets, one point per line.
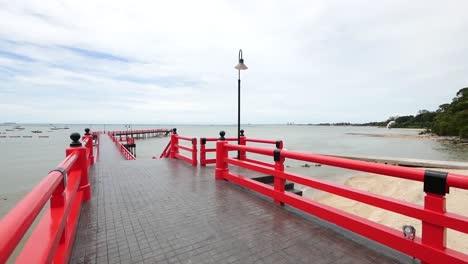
[444, 139]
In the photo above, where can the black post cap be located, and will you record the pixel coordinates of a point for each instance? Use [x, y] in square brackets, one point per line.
[203, 141]
[174, 131]
[87, 131]
[242, 132]
[435, 182]
[75, 137]
[277, 155]
[222, 133]
[278, 144]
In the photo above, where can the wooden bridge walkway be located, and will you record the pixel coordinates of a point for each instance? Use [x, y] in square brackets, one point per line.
[166, 211]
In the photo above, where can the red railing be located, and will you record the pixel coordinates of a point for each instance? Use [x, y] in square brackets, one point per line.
[166, 152]
[173, 148]
[430, 248]
[203, 150]
[66, 187]
[242, 154]
[127, 140]
[127, 154]
[139, 131]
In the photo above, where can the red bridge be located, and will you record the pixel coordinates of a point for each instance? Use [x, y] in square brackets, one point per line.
[104, 206]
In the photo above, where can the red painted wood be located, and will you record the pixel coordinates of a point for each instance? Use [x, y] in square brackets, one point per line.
[52, 238]
[184, 148]
[429, 249]
[64, 249]
[259, 162]
[127, 154]
[43, 242]
[164, 154]
[175, 147]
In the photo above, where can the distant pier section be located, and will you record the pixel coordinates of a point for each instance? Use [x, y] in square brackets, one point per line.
[142, 133]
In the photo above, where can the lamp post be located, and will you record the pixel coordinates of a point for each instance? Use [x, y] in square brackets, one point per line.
[240, 67]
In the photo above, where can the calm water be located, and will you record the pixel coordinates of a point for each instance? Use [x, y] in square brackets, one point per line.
[25, 161]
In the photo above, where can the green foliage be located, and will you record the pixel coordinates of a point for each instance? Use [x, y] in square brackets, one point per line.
[423, 119]
[452, 119]
[464, 132]
[449, 120]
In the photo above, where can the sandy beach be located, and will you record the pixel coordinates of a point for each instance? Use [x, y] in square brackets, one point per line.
[406, 190]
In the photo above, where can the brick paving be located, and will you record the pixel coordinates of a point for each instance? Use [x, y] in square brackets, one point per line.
[165, 211]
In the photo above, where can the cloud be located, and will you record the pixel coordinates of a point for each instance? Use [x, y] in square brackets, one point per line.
[172, 61]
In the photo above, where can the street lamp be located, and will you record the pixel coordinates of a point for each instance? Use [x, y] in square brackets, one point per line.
[239, 67]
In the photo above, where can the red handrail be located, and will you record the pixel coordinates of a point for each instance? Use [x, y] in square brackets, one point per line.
[137, 131]
[430, 248]
[242, 154]
[175, 147]
[52, 238]
[165, 153]
[127, 154]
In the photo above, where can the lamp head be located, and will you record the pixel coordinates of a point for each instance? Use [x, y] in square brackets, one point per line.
[241, 66]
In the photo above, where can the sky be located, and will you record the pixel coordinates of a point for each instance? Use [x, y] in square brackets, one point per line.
[172, 62]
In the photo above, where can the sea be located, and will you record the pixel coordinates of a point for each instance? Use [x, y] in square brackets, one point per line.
[27, 157]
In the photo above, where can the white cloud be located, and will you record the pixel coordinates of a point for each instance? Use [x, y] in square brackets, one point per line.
[320, 61]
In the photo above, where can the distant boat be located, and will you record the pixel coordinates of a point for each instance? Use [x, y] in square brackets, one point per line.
[9, 129]
[36, 131]
[57, 128]
[19, 127]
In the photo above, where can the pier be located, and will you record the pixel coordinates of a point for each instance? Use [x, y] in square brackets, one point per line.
[107, 208]
[142, 133]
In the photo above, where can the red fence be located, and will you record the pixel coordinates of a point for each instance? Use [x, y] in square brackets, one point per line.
[242, 154]
[127, 154]
[204, 150]
[66, 187]
[140, 131]
[176, 147]
[430, 248]
[166, 152]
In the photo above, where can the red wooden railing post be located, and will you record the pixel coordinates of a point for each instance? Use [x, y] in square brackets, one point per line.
[202, 151]
[194, 152]
[89, 146]
[435, 187]
[57, 200]
[174, 144]
[278, 181]
[242, 153]
[221, 156]
[80, 165]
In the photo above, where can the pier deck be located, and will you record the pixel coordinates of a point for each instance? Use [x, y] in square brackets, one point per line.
[166, 211]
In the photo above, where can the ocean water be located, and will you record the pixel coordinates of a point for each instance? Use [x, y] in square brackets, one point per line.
[26, 159]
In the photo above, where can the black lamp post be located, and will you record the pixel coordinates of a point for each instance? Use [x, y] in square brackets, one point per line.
[239, 67]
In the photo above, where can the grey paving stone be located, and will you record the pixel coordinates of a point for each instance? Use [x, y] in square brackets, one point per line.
[166, 211]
